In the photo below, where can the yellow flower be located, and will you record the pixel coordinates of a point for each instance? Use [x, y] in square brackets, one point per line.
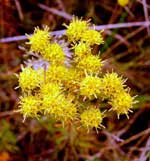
[91, 117]
[122, 104]
[123, 2]
[81, 50]
[30, 106]
[72, 80]
[92, 37]
[59, 107]
[69, 112]
[53, 53]
[50, 89]
[30, 79]
[92, 64]
[52, 105]
[112, 85]
[75, 29]
[39, 40]
[56, 73]
[90, 86]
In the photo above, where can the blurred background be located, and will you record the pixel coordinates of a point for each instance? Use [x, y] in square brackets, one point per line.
[127, 51]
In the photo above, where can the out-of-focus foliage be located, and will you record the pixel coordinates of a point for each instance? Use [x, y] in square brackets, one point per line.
[7, 137]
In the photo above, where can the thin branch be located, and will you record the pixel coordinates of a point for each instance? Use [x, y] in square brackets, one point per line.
[101, 27]
[55, 11]
[140, 1]
[7, 113]
[143, 154]
[146, 15]
[18, 6]
[134, 137]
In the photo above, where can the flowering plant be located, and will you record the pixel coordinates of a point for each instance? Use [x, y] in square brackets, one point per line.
[70, 87]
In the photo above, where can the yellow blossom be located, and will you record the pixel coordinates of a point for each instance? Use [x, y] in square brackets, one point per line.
[56, 73]
[72, 80]
[92, 37]
[69, 112]
[39, 40]
[123, 2]
[50, 89]
[90, 86]
[81, 50]
[112, 85]
[75, 29]
[30, 106]
[92, 64]
[122, 104]
[91, 117]
[52, 105]
[53, 53]
[30, 79]
[59, 107]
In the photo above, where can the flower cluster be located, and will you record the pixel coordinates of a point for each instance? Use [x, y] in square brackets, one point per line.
[71, 93]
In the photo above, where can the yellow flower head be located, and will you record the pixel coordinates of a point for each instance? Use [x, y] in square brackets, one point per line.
[69, 112]
[50, 89]
[112, 85]
[30, 106]
[53, 53]
[92, 64]
[92, 37]
[122, 104]
[123, 2]
[75, 29]
[56, 73]
[39, 40]
[72, 80]
[30, 79]
[53, 105]
[90, 86]
[90, 118]
[59, 107]
[81, 50]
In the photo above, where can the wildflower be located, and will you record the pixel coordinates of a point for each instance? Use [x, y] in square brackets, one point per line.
[122, 104]
[30, 106]
[92, 64]
[53, 105]
[53, 53]
[30, 79]
[90, 86]
[82, 49]
[75, 29]
[92, 37]
[123, 2]
[72, 80]
[56, 73]
[112, 85]
[50, 89]
[39, 40]
[61, 88]
[91, 117]
[69, 112]
[59, 107]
